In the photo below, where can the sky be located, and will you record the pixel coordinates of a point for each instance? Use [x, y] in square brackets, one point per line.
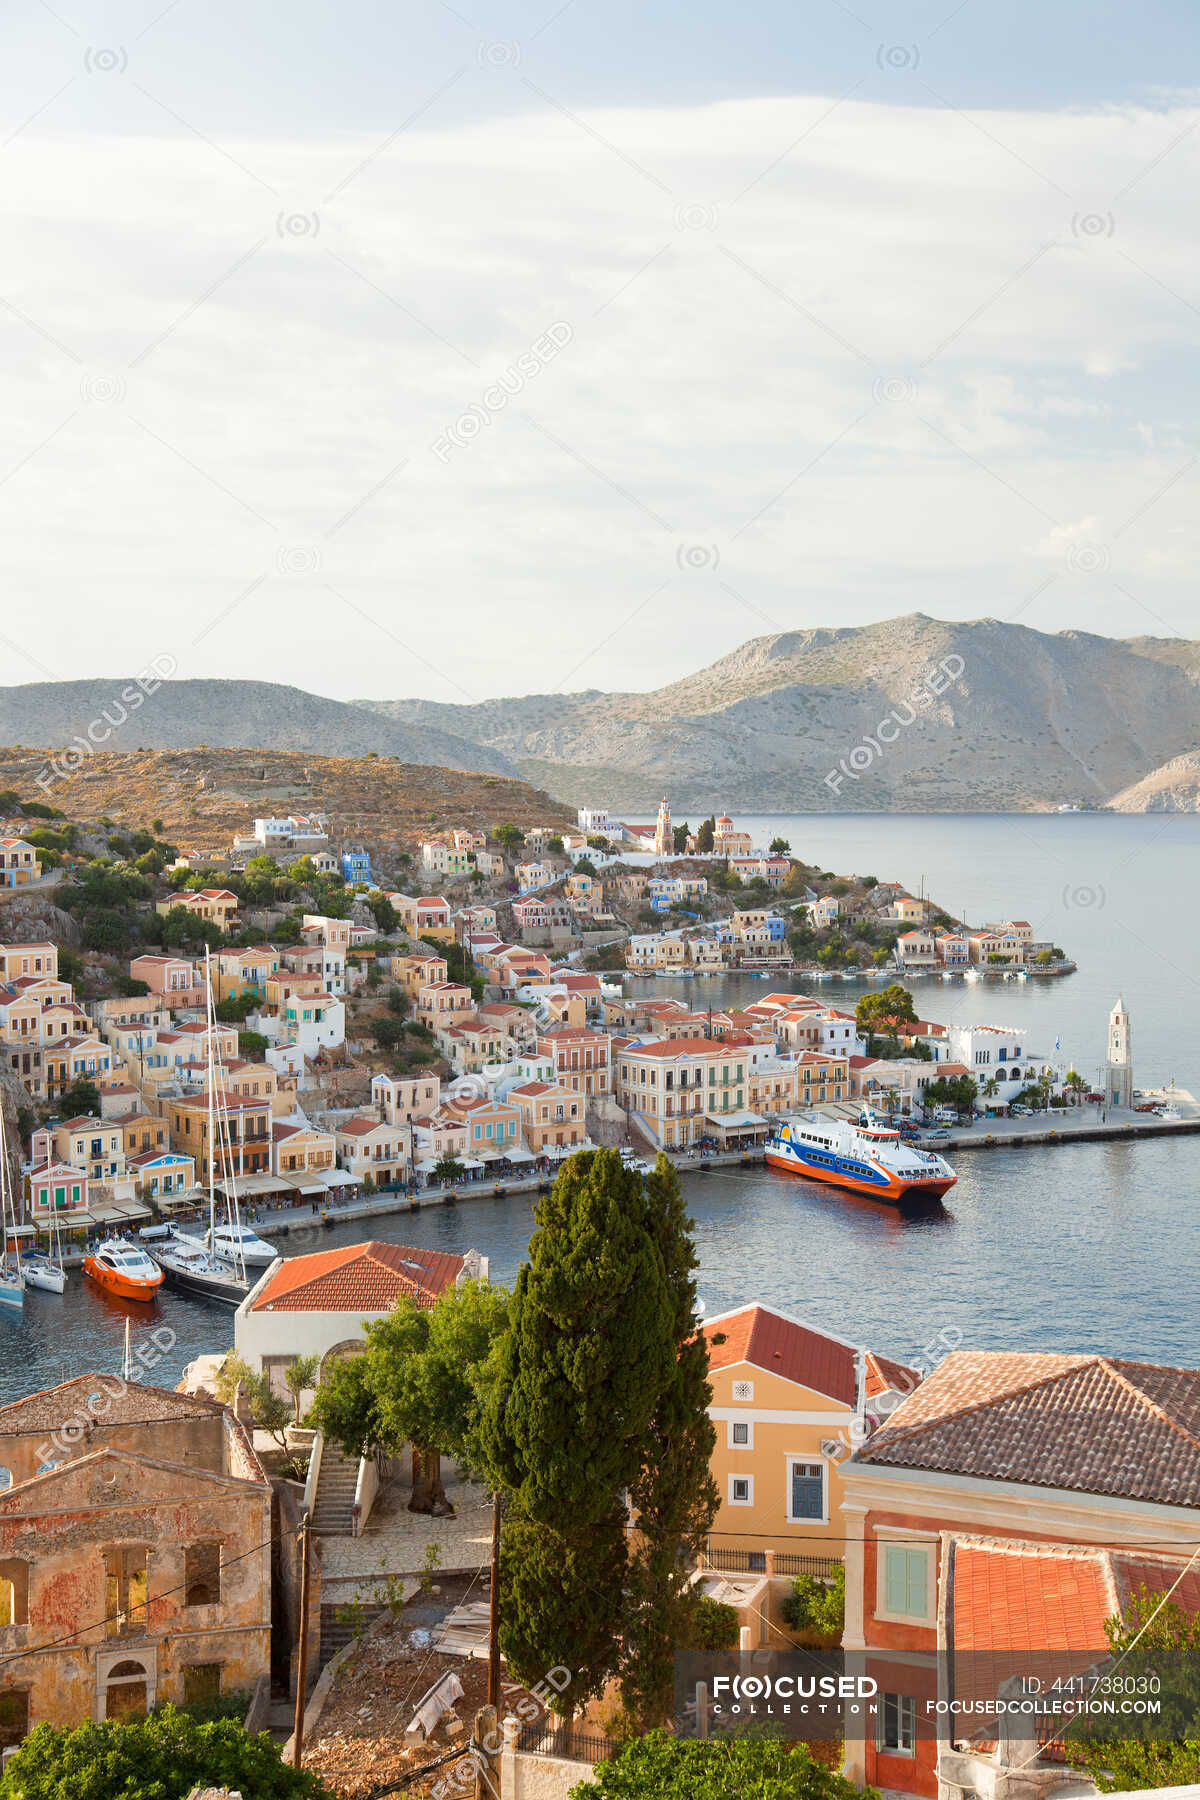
[465, 350]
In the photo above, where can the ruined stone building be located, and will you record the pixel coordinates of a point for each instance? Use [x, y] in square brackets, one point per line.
[135, 1558]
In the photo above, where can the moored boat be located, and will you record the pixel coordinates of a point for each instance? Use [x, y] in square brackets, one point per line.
[123, 1269]
[187, 1265]
[864, 1159]
[41, 1271]
[234, 1242]
[12, 1280]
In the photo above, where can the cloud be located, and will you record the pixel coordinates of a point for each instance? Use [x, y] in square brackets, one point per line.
[878, 371]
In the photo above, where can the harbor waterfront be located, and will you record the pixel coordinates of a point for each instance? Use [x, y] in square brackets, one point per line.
[1028, 1237]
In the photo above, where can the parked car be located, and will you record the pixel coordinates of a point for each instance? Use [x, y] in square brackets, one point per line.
[1018, 1112]
[1094, 1099]
[932, 1137]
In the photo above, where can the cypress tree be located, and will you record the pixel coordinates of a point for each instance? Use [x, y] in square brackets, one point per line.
[574, 1385]
[673, 1498]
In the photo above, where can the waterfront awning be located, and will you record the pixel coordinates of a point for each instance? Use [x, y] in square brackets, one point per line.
[252, 1187]
[119, 1212]
[338, 1178]
[737, 1122]
[189, 1199]
[469, 1162]
[427, 1165]
[520, 1155]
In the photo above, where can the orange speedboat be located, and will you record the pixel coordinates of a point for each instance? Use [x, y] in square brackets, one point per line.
[124, 1270]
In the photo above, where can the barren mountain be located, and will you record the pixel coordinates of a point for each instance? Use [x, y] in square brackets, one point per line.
[913, 715]
[118, 715]
[1173, 788]
[204, 796]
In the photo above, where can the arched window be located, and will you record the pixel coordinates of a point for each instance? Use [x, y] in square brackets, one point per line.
[125, 1691]
[14, 1591]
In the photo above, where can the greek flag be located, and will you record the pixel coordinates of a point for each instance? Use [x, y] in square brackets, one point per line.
[1058, 1043]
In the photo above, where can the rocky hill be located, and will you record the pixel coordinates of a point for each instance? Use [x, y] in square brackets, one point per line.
[204, 796]
[912, 715]
[253, 714]
[1173, 788]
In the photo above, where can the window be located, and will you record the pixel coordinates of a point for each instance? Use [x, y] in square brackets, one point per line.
[905, 1581]
[896, 1731]
[14, 1716]
[741, 1434]
[202, 1574]
[125, 1590]
[202, 1684]
[806, 1490]
[126, 1692]
[14, 1596]
[741, 1490]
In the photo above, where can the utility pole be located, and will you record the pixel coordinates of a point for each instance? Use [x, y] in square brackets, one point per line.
[302, 1661]
[493, 1698]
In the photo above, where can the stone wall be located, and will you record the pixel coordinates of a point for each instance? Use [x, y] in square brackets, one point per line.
[287, 1561]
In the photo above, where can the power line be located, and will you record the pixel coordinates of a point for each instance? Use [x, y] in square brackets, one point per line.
[70, 1636]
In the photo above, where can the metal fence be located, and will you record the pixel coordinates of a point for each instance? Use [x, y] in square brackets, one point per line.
[578, 1746]
[754, 1562]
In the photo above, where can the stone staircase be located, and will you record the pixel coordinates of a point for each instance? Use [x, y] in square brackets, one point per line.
[340, 1624]
[333, 1506]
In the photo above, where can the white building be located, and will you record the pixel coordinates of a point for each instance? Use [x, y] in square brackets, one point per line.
[310, 1305]
[597, 821]
[996, 1052]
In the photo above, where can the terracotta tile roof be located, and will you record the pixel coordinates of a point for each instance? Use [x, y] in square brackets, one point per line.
[359, 1278]
[1085, 1423]
[782, 1346]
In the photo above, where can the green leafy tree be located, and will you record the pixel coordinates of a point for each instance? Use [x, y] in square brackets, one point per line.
[959, 1091]
[448, 1168]
[573, 1387]
[384, 913]
[816, 1605]
[81, 1097]
[416, 1383]
[679, 837]
[252, 1044]
[713, 1625]
[673, 1498]
[779, 846]
[585, 866]
[298, 1376]
[509, 837]
[234, 1007]
[890, 1005]
[706, 834]
[1155, 1638]
[268, 1410]
[751, 1767]
[160, 1757]
[555, 845]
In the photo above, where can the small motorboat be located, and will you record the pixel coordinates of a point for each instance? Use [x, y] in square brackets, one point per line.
[237, 1243]
[125, 1270]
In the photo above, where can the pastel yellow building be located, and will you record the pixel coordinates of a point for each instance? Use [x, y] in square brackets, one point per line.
[790, 1403]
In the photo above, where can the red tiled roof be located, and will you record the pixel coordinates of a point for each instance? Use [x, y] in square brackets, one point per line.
[782, 1346]
[360, 1278]
[1092, 1424]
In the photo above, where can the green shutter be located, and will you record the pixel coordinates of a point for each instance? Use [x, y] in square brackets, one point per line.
[906, 1581]
[918, 1583]
[894, 1579]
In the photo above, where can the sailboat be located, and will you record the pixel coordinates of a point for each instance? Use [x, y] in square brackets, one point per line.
[186, 1262]
[44, 1268]
[12, 1283]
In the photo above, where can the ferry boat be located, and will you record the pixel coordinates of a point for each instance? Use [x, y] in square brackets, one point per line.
[124, 1270]
[865, 1159]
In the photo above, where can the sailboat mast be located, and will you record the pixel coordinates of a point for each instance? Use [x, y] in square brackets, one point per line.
[211, 1072]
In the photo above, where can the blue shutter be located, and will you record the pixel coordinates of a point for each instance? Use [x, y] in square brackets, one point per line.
[808, 1493]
